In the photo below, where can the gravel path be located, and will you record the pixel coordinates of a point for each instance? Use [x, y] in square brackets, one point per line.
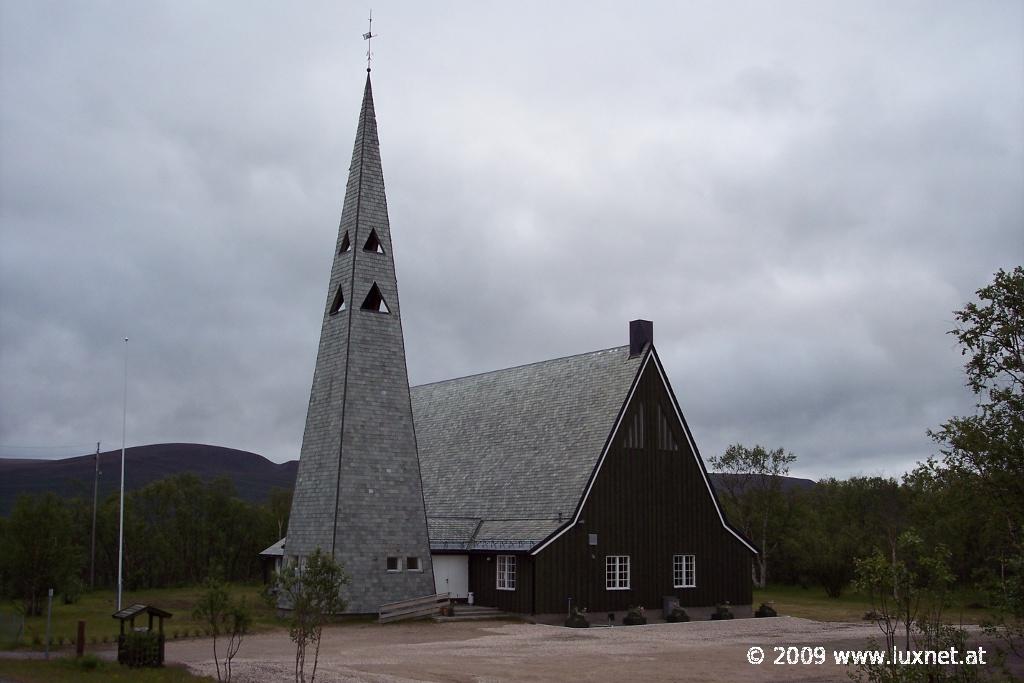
[478, 652]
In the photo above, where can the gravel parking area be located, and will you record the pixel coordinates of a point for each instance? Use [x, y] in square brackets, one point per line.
[501, 651]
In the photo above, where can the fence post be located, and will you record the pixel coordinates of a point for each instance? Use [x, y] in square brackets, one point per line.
[49, 610]
[80, 645]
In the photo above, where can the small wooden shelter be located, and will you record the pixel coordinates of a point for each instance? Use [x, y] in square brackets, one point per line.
[141, 645]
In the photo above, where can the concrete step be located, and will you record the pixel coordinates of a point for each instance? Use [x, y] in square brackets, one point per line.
[465, 612]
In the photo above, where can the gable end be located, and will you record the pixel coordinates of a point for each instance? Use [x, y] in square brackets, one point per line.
[649, 354]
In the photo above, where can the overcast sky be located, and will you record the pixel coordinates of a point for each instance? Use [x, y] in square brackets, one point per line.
[798, 194]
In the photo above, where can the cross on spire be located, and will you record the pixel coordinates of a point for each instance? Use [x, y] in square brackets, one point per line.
[367, 36]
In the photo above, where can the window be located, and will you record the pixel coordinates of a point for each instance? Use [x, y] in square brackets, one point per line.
[375, 301]
[345, 244]
[635, 432]
[684, 571]
[412, 564]
[666, 440]
[373, 243]
[339, 302]
[394, 565]
[616, 572]
[506, 572]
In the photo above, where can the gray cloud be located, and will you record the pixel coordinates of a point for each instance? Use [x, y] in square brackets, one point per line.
[798, 196]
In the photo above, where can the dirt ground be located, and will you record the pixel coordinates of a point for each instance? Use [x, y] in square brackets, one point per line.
[479, 652]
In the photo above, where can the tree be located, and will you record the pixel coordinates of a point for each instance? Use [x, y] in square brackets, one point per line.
[39, 550]
[989, 445]
[753, 487]
[225, 616]
[311, 590]
[909, 589]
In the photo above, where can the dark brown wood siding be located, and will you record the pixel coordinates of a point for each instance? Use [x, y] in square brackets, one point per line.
[483, 582]
[649, 504]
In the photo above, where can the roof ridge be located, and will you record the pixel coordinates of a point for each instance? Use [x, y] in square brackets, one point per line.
[521, 365]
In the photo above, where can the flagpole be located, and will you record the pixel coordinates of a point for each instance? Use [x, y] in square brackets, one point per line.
[124, 429]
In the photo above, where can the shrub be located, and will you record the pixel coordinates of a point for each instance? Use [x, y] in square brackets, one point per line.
[634, 617]
[677, 615]
[766, 610]
[87, 662]
[722, 612]
[577, 619]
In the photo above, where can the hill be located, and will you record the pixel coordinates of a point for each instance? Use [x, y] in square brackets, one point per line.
[253, 475]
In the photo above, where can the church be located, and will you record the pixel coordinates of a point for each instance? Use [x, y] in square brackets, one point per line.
[567, 482]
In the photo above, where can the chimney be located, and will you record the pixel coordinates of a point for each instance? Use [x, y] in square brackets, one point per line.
[641, 333]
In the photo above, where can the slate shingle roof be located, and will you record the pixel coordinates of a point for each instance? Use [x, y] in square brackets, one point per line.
[505, 456]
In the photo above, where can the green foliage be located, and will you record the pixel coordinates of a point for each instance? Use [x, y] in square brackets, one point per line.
[89, 662]
[755, 502]
[909, 589]
[70, 670]
[986, 450]
[677, 615]
[634, 617]
[223, 615]
[311, 591]
[39, 550]
[178, 531]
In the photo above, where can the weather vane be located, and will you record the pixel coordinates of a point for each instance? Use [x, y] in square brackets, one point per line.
[367, 36]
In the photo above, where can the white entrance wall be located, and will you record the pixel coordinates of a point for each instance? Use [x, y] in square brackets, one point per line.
[451, 574]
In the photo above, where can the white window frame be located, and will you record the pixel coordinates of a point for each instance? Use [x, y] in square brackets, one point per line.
[398, 564]
[410, 568]
[616, 572]
[506, 573]
[684, 571]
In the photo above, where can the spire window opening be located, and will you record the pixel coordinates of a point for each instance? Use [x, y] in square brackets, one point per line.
[338, 304]
[374, 301]
[373, 243]
[346, 244]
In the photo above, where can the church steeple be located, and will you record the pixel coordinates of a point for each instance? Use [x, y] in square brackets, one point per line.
[358, 492]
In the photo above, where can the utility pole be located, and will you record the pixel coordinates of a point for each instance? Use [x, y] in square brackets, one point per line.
[95, 491]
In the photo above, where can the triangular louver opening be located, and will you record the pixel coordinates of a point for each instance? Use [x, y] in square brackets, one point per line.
[666, 439]
[339, 302]
[373, 243]
[635, 428]
[345, 244]
[374, 301]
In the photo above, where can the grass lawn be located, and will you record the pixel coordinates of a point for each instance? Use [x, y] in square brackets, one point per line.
[97, 606]
[812, 603]
[41, 671]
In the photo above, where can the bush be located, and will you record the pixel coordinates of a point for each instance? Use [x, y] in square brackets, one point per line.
[766, 610]
[73, 589]
[722, 612]
[677, 615]
[634, 617]
[578, 619]
[87, 662]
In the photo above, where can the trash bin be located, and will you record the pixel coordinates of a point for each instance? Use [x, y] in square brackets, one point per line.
[469, 600]
[668, 603]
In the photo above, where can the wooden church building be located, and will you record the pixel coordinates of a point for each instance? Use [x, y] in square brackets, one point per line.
[574, 479]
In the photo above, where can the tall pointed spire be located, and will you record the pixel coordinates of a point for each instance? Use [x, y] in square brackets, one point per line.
[358, 493]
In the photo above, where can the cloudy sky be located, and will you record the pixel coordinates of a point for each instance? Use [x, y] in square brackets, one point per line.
[798, 194]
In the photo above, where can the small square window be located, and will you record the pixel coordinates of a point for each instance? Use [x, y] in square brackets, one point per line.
[394, 564]
[412, 564]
